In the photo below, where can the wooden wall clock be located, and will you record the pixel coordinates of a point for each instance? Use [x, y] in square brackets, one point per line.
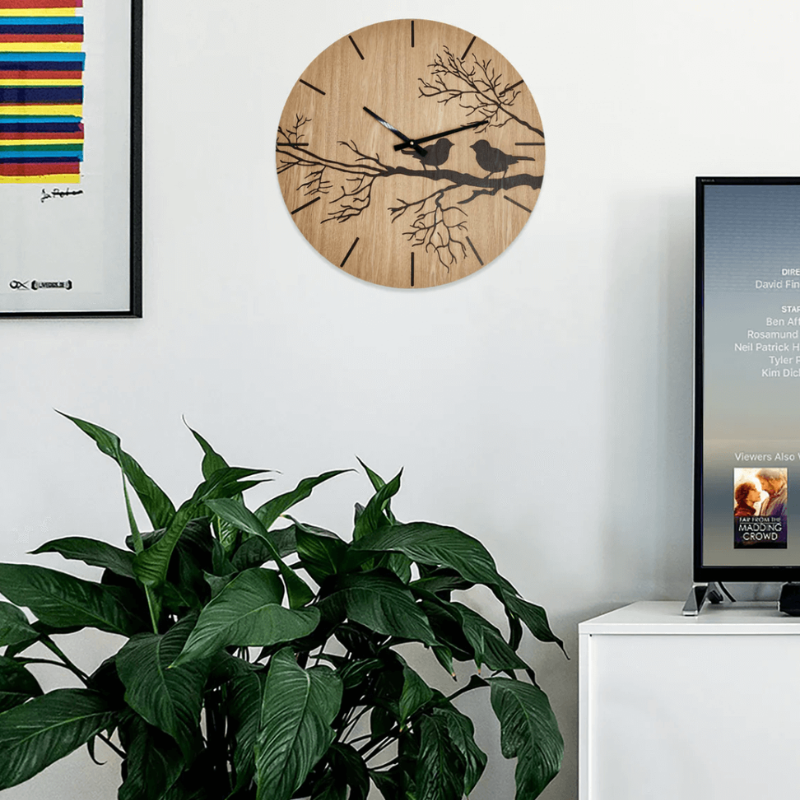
[410, 153]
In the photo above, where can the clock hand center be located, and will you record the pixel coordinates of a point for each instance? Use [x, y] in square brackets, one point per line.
[406, 141]
[439, 135]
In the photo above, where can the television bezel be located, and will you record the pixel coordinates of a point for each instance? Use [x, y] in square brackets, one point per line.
[701, 573]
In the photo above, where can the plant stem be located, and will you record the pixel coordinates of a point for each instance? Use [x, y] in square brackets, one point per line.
[53, 647]
[120, 753]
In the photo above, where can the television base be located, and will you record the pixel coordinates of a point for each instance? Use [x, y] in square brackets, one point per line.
[699, 594]
[789, 600]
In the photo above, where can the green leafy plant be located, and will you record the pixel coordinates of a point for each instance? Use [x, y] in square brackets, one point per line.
[261, 657]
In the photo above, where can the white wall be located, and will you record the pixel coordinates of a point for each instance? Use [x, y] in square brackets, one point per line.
[543, 405]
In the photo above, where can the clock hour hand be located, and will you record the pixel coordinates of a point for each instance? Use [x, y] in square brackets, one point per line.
[406, 141]
[439, 135]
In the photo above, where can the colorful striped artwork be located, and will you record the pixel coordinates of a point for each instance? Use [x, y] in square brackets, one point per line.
[41, 91]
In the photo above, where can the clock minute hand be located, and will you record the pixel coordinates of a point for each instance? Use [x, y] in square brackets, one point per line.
[406, 141]
[439, 135]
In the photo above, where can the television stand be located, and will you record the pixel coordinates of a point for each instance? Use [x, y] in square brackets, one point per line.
[698, 595]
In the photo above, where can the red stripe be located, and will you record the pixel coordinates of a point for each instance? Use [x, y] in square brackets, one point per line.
[41, 3]
[17, 75]
[42, 135]
[19, 170]
[33, 38]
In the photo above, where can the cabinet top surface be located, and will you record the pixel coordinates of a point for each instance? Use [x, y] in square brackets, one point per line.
[666, 617]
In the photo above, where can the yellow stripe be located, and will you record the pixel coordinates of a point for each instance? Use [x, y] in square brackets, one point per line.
[41, 82]
[41, 111]
[40, 178]
[38, 12]
[40, 47]
[18, 142]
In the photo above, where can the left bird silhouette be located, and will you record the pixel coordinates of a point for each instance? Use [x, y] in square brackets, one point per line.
[436, 156]
[492, 159]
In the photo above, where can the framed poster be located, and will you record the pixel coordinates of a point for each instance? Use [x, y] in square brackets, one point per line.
[70, 158]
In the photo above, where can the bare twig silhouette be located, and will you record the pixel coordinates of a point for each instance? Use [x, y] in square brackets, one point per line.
[438, 221]
[477, 87]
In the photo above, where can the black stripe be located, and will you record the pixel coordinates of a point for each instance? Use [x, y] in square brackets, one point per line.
[43, 29]
[39, 159]
[352, 246]
[469, 242]
[412, 42]
[472, 41]
[311, 86]
[40, 66]
[305, 205]
[352, 41]
[524, 208]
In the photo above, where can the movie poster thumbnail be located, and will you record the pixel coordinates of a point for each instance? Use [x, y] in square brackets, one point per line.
[760, 508]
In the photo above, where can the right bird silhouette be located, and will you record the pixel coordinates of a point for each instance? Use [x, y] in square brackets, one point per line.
[492, 159]
[436, 156]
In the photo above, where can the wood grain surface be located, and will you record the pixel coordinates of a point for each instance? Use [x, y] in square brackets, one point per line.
[395, 217]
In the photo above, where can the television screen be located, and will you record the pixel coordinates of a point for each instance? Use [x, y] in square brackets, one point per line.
[747, 388]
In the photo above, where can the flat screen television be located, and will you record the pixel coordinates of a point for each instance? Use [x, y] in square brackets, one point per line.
[747, 382]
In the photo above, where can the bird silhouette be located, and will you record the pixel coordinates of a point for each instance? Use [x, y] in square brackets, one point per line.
[436, 156]
[492, 159]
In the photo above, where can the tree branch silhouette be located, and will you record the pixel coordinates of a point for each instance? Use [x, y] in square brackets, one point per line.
[438, 221]
[477, 87]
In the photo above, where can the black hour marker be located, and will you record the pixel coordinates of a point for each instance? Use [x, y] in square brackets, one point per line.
[524, 208]
[468, 48]
[509, 88]
[412, 44]
[292, 144]
[311, 86]
[469, 242]
[412, 269]
[305, 205]
[352, 41]
[352, 247]
[528, 144]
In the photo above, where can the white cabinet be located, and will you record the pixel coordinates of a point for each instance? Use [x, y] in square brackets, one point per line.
[678, 708]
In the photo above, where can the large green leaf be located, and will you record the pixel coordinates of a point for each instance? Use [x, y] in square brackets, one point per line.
[440, 767]
[14, 626]
[212, 460]
[152, 565]
[153, 764]
[347, 768]
[244, 716]
[247, 612]
[528, 732]
[436, 546]
[157, 505]
[373, 517]
[254, 552]
[169, 699]
[299, 707]
[534, 617]
[92, 552]
[382, 603]
[416, 693]
[63, 601]
[235, 513]
[272, 509]
[462, 734]
[47, 728]
[487, 641]
[16, 684]
[321, 553]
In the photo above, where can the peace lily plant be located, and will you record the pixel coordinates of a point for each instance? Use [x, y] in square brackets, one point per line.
[261, 653]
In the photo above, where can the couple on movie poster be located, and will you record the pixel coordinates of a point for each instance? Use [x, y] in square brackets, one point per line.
[760, 508]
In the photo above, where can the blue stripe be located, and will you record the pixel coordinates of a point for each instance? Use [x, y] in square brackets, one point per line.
[40, 127]
[36, 30]
[42, 20]
[35, 95]
[21, 156]
[34, 120]
[35, 57]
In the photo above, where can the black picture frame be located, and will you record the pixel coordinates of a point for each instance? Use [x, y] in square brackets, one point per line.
[127, 284]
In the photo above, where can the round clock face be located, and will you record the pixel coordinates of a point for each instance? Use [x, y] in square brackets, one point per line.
[410, 153]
